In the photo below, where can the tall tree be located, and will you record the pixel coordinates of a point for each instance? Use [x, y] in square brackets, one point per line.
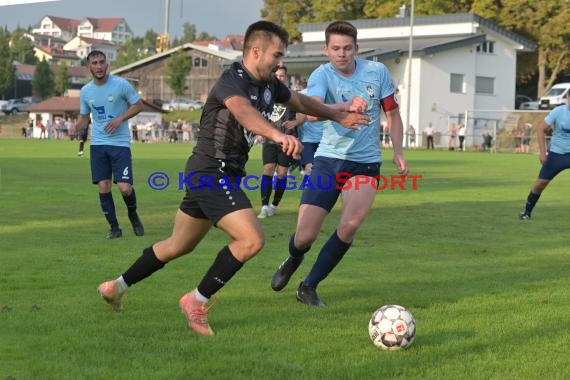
[43, 84]
[189, 33]
[149, 40]
[62, 79]
[288, 14]
[22, 48]
[546, 23]
[7, 69]
[177, 69]
[131, 51]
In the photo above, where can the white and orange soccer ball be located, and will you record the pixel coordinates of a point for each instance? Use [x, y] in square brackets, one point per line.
[392, 327]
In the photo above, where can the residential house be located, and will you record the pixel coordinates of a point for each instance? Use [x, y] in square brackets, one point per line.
[57, 55]
[64, 28]
[82, 46]
[463, 66]
[45, 40]
[78, 76]
[115, 30]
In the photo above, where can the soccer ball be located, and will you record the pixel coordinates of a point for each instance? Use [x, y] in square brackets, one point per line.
[392, 327]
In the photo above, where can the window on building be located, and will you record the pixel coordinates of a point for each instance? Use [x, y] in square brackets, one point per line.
[200, 62]
[485, 85]
[456, 83]
[487, 47]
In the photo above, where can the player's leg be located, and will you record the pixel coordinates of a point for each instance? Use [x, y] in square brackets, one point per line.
[188, 231]
[101, 175]
[269, 156]
[121, 160]
[356, 203]
[554, 164]
[283, 164]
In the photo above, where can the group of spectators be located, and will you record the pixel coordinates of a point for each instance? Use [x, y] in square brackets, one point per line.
[57, 129]
[178, 131]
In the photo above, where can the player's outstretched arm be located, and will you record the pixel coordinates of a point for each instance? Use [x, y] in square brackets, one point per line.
[337, 112]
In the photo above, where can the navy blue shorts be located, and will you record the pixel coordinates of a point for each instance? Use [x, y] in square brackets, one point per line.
[308, 153]
[324, 179]
[111, 162]
[555, 163]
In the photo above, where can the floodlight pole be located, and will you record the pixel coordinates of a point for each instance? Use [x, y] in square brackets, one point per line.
[406, 125]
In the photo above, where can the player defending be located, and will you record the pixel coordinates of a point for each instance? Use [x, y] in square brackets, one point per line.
[558, 156]
[356, 153]
[111, 101]
[236, 110]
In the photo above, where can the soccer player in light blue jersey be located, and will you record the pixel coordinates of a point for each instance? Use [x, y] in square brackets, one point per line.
[355, 153]
[558, 156]
[110, 101]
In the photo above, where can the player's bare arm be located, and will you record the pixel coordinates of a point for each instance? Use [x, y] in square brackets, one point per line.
[394, 121]
[132, 111]
[248, 117]
[541, 139]
[337, 112]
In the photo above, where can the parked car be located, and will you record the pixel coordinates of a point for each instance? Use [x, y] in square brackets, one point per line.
[182, 104]
[532, 105]
[15, 105]
[520, 99]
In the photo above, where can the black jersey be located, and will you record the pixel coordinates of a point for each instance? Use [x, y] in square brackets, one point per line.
[220, 136]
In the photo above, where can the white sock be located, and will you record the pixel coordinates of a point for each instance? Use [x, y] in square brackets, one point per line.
[121, 284]
[200, 297]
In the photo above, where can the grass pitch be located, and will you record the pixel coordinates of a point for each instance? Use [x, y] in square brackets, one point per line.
[489, 293]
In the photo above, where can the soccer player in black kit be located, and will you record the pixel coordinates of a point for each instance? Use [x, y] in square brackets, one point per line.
[236, 110]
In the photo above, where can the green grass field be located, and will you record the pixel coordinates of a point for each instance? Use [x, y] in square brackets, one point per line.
[489, 293]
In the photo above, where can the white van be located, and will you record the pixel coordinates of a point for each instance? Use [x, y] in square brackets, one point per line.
[555, 97]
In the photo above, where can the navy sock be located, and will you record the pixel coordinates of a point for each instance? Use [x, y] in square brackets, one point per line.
[131, 202]
[531, 202]
[108, 207]
[332, 252]
[266, 188]
[222, 270]
[145, 265]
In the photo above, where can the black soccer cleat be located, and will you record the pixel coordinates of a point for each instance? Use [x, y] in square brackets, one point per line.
[524, 216]
[114, 233]
[138, 227]
[284, 272]
[308, 296]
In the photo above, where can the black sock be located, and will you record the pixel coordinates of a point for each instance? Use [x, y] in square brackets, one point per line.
[279, 190]
[266, 188]
[332, 252]
[108, 207]
[531, 202]
[295, 252]
[145, 265]
[81, 146]
[222, 270]
[131, 202]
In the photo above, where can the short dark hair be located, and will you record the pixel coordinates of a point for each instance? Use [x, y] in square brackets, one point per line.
[282, 67]
[344, 28]
[264, 29]
[93, 53]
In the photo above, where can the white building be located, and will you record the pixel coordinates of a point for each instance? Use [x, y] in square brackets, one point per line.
[460, 63]
[82, 46]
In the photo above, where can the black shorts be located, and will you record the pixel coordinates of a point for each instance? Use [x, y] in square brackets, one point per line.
[308, 152]
[212, 191]
[273, 153]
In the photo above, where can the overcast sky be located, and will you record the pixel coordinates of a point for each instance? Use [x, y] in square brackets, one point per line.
[215, 17]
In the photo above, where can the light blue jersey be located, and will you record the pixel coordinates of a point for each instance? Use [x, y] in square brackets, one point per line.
[105, 103]
[371, 81]
[310, 131]
[559, 119]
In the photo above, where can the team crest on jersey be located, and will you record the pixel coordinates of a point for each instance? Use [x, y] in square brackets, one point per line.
[278, 112]
[267, 96]
[370, 91]
[110, 98]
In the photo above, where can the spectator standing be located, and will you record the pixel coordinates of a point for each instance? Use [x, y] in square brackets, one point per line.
[429, 135]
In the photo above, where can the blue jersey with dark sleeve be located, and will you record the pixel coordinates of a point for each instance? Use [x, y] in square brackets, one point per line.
[371, 81]
[105, 103]
[559, 119]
